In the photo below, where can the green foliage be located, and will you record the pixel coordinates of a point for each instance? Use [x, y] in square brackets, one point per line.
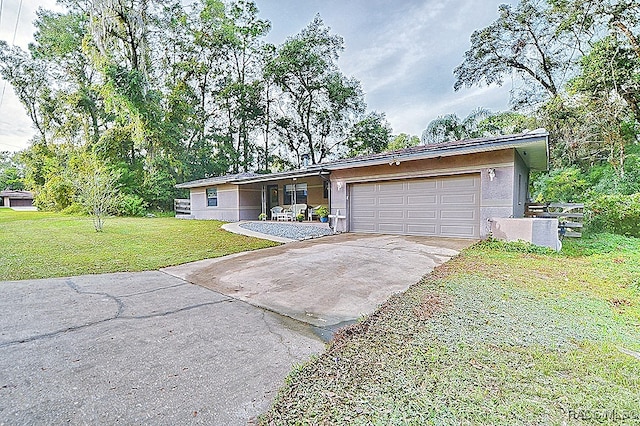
[600, 243]
[11, 172]
[96, 188]
[370, 135]
[527, 39]
[513, 247]
[451, 128]
[168, 93]
[56, 194]
[320, 103]
[403, 141]
[130, 205]
[159, 189]
[322, 211]
[561, 185]
[615, 213]
[506, 123]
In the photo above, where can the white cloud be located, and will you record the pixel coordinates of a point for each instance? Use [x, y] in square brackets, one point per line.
[403, 52]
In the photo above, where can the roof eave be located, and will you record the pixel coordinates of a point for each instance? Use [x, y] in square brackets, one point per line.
[519, 143]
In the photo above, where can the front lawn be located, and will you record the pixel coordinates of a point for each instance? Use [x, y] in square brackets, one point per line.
[39, 245]
[502, 334]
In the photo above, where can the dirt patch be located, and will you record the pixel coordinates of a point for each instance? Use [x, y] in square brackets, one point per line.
[432, 303]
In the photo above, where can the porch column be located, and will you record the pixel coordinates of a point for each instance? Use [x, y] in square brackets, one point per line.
[264, 199]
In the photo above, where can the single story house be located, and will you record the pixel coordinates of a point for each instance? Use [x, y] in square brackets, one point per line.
[451, 189]
[14, 198]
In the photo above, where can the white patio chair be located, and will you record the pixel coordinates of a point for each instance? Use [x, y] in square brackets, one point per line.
[297, 209]
[275, 211]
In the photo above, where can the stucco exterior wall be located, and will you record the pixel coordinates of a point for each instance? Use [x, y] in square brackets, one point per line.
[227, 208]
[496, 198]
[249, 201]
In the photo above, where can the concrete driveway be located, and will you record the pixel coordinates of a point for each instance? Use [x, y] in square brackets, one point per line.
[139, 348]
[325, 282]
[150, 347]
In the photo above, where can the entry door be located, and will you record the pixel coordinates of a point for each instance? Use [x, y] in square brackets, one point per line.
[272, 197]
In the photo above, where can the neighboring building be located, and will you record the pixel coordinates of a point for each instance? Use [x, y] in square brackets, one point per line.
[450, 189]
[11, 198]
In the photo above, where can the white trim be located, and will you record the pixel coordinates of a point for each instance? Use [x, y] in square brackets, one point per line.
[424, 174]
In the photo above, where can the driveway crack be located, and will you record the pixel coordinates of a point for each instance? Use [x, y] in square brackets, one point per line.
[117, 316]
[119, 302]
[176, 311]
[272, 331]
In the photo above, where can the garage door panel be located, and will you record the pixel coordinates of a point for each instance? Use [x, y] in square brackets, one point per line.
[364, 189]
[458, 199]
[421, 200]
[422, 229]
[364, 215]
[422, 214]
[422, 185]
[459, 182]
[393, 187]
[446, 206]
[391, 228]
[397, 200]
[458, 214]
[391, 214]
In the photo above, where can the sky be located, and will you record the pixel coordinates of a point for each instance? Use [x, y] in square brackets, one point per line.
[402, 51]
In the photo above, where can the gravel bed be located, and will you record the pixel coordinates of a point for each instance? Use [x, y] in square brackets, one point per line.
[293, 231]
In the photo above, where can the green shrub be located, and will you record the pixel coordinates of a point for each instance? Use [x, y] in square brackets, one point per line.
[131, 205]
[616, 213]
[75, 209]
[566, 185]
[512, 246]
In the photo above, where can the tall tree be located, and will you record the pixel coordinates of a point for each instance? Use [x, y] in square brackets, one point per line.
[242, 91]
[528, 39]
[370, 135]
[30, 80]
[318, 104]
[450, 127]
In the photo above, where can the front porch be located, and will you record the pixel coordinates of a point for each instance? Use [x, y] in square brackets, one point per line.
[287, 199]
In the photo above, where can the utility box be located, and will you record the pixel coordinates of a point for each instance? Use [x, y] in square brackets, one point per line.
[539, 231]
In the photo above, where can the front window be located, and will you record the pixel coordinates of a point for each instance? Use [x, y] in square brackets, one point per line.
[212, 197]
[300, 194]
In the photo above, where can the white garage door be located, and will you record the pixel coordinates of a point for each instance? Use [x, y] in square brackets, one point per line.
[445, 207]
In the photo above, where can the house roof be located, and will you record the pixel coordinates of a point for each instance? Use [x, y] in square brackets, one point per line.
[532, 146]
[17, 195]
[217, 180]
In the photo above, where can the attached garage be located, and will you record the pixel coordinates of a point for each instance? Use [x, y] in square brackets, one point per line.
[443, 206]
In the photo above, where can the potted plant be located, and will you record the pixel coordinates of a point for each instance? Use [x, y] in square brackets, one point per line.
[263, 216]
[323, 214]
[300, 217]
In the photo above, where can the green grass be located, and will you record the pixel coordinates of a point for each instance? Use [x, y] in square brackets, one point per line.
[502, 334]
[41, 245]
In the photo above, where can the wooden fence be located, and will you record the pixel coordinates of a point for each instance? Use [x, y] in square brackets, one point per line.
[182, 206]
[570, 216]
